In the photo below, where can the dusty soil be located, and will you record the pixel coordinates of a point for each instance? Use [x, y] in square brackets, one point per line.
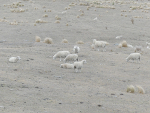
[36, 84]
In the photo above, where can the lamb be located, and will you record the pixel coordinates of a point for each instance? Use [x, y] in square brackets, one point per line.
[67, 66]
[134, 56]
[71, 57]
[14, 59]
[61, 54]
[131, 89]
[78, 65]
[76, 49]
[140, 89]
[100, 44]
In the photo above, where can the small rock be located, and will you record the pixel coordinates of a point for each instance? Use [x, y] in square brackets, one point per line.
[99, 105]
[112, 94]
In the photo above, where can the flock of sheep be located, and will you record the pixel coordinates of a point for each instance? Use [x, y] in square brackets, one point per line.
[77, 65]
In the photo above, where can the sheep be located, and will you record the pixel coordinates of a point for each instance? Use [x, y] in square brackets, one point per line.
[37, 39]
[71, 57]
[131, 89]
[134, 56]
[138, 48]
[76, 49]
[61, 54]
[100, 44]
[14, 59]
[48, 40]
[140, 89]
[78, 65]
[67, 66]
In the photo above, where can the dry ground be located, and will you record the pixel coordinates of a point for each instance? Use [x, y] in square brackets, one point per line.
[37, 84]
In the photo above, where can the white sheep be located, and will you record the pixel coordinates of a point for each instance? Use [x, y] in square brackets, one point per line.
[61, 54]
[71, 57]
[134, 56]
[14, 59]
[76, 49]
[67, 66]
[78, 65]
[100, 44]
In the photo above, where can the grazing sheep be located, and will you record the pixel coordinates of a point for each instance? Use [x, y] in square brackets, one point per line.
[100, 44]
[140, 89]
[48, 40]
[131, 89]
[71, 57]
[61, 54]
[67, 66]
[78, 65]
[138, 48]
[76, 49]
[64, 41]
[37, 39]
[134, 56]
[14, 59]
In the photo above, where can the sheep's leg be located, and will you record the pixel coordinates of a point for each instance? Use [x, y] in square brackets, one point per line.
[60, 58]
[104, 50]
[76, 70]
[80, 70]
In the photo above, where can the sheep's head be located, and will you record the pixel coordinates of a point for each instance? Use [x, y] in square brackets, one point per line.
[127, 59]
[61, 65]
[94, 40]
[107, 43]
[84, 61]
[18, 57]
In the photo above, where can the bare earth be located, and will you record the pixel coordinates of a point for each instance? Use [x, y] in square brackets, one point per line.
[37, 84]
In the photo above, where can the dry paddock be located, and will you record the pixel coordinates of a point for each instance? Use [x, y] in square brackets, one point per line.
[37, 84]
